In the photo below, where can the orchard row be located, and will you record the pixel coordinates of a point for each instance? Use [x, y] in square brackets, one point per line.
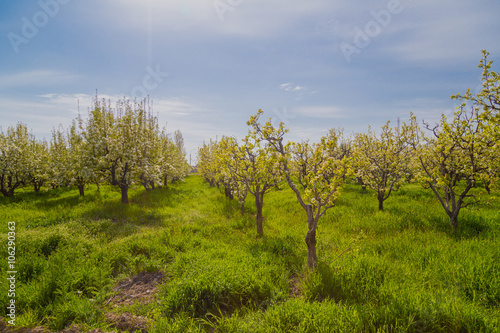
[450, 158]
[121, 145]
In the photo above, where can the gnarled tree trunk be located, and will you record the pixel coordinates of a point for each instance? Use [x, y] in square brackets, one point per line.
[312, 258]
[124, 189]
[81, 189]
[360, 182]
[487, 187]
[37, 185]
[11, 185]
[380, 198]
[454, 218]
[228, 192]
[259, 218]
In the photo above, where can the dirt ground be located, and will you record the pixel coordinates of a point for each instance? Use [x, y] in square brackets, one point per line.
[140, 288]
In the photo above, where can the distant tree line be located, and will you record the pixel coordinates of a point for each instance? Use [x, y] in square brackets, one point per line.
[121, 145]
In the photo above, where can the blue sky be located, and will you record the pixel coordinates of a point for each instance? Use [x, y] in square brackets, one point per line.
[210, 64]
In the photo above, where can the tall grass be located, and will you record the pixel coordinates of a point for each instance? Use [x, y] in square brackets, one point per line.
[401, 270]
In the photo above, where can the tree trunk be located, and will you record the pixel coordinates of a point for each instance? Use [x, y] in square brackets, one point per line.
[37, 185]
[380, 197]
[8, 193]
[259, 218]
[228, 193]
[124, 189]
[11, 185]
[165, 181]
[81, 189]
[243, 208]
[454, 219]
[144, 182]
[487, 187]
[152, 184]
[312, 258]
[360, 182]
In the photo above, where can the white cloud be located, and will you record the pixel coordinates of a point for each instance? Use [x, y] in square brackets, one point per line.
[299, 91]
[290, 87]
[38, 114]
[286, 86]
[36, 78]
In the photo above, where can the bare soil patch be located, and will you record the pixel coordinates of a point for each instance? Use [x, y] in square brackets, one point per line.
[294, 285]
[136, 289]
[139, 288]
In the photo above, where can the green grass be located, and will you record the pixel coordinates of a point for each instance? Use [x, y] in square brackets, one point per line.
[400, 270]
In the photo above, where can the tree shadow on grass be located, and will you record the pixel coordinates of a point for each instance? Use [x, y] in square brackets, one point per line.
[286, 248]
[120, 213]
[231, 208]
[42, 199]
[159, 197]
[64, 202]
[471, 227]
